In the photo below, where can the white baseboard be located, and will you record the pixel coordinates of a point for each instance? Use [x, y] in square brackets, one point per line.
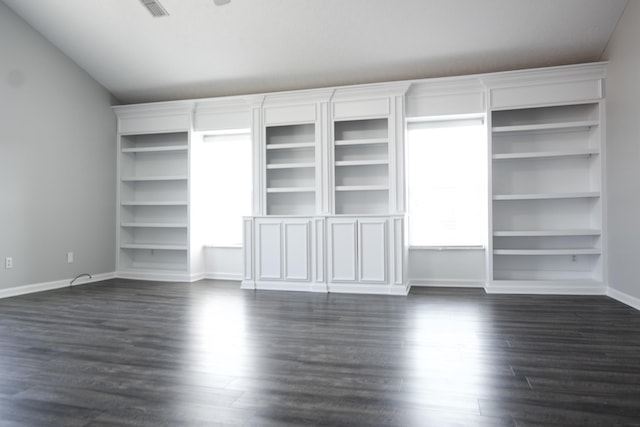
[58, 284]
[248, 284]
[447, 283]
[363, 288]
[624, 298]
[283, 286]
[223, 276]
[348, 288]
[194, 277]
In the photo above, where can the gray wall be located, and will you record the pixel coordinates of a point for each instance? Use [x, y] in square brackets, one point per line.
[57, 162]
[623, 152]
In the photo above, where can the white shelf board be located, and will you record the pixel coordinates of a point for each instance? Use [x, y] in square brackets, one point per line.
[291, 145]
[558, 286]
[362, 187]
[547, 154]
[543, 233]
[153, 246]
[156, 149]
[155, 178]
[153, 225]
[542, 196]
[158, 273]
[154, 203]
[540, 252]
[309, 165]
[364, 141]
[291, 190]
[361, 162]
[546, 126]
[547, 281]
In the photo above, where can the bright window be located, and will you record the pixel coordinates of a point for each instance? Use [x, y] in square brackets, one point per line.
[447, 182]
[226, 187]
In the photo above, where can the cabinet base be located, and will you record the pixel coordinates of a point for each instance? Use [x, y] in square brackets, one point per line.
[348, 288]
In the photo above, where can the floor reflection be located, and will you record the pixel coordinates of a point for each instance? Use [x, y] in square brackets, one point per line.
[219, 336]
[447, 368]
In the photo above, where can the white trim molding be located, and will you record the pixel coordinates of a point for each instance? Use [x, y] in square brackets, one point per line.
[624, 298]
[447, 283]
[57, 284]
[216, 275]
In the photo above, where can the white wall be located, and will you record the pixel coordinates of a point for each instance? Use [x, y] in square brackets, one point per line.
[623, 152]
[57, 162]
[449, 267]
[223, 263]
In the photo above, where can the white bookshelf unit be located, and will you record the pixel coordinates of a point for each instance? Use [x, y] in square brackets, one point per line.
[546, 194]
[328, 200]
[153, 196]
[324, 155]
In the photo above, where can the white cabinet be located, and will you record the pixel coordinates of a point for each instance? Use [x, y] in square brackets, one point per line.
[546, 191]
[284, 249]
[288, 252]
[358, 250]
[366, 254]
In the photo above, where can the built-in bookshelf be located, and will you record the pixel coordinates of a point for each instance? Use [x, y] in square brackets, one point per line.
[361, 166]
[546, 196]
[153, 192]
[290, 169]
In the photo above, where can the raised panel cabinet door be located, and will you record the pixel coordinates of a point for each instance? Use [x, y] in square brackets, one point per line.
[296, 251]
[269, 251]
[372, 250]
[342, 251]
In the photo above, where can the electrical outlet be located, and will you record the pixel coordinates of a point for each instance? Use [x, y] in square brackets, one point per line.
[69, 257]
[8, 263]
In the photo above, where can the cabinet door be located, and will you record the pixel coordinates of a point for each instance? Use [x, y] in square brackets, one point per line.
[296, 251]
[343, 251]
[269, 244]
[372, 250]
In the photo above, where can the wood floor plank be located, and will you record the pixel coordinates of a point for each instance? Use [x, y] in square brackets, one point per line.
[137, 353]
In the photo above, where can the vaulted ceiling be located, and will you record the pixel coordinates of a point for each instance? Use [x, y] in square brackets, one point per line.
[253, 46]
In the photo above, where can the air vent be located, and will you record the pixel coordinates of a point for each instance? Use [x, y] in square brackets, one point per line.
[155, 8]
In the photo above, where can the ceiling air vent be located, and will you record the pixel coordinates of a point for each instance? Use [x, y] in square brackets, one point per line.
[155, 8]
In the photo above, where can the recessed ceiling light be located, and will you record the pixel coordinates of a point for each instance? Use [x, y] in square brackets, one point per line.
[221, 2]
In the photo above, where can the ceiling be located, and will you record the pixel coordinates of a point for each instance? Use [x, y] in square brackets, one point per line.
[254, 46]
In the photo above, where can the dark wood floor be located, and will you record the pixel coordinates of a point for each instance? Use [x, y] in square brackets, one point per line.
[132, 353]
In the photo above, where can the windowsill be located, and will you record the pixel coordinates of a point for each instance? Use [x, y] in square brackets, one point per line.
[217, 246]
[447, 248]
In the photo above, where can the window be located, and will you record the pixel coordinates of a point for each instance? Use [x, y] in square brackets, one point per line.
[447, 182]
[225, 186]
